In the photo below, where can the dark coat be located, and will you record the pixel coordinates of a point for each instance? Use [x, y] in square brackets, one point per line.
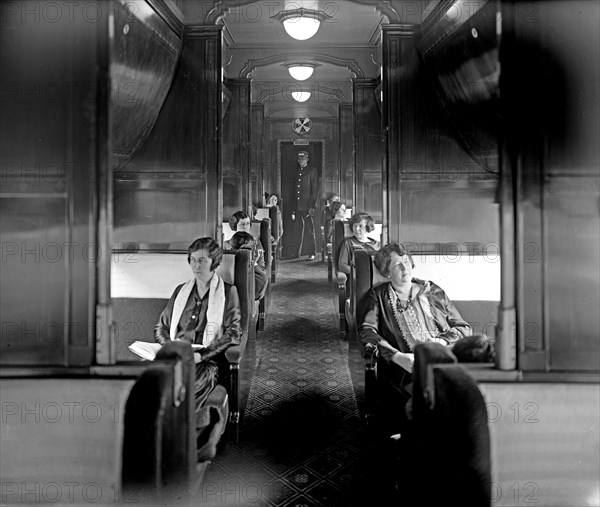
[306, 188]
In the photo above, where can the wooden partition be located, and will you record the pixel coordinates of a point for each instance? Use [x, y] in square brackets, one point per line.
[550, 96]
[171, 192]
[368, 182]
[55, 154]
[237, 191]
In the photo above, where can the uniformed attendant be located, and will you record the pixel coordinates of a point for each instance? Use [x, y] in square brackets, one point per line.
[306, 191]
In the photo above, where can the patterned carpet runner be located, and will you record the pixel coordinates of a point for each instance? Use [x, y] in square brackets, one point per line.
[300, 441]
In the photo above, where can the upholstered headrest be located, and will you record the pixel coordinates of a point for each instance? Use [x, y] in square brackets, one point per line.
[262, 213]
[226, 269]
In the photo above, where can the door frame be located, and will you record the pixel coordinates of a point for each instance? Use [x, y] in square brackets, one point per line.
[281, 141]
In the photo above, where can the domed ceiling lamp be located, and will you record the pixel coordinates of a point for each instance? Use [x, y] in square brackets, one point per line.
[300, 71]
[301, 96]
[301, 24]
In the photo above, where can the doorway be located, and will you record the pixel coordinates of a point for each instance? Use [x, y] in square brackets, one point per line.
[288, 164]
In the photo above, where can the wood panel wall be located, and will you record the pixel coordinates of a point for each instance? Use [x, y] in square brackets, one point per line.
[171, 191]
[257, 155]
[550, 101]
[439, 199]
[367, 148]
[346, 185]
[55, 154]
[236, 148]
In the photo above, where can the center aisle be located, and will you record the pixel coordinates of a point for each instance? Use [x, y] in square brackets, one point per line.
[301, 434]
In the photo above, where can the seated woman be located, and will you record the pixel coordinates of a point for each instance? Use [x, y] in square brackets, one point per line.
[361, 224]
[398, 315]
[244, 239]
[337, 211]
[240, 221]
[330, 200]
[205, 310]
[272, 201]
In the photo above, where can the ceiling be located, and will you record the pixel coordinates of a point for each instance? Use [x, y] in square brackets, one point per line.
[345, 46]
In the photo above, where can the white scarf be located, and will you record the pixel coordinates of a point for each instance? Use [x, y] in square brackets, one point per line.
[214, 313]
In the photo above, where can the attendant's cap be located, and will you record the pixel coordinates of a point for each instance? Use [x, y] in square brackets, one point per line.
[303, 153]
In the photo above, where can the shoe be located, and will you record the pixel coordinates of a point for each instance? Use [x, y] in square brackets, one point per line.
[311, 257]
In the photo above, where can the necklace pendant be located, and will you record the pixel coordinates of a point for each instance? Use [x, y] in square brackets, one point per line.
[403, 307]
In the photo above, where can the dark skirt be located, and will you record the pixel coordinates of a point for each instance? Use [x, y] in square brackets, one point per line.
[206, 380]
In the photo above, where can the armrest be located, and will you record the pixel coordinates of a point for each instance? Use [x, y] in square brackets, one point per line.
[371, 354]
[235, 353]
[342, 278]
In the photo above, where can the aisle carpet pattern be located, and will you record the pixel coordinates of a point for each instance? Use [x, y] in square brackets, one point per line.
[301, 437]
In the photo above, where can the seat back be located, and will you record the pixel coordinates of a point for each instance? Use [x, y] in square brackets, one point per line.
[262, 231]
[159, 450]
[446, 396]
[341, 230]
[276, 232]
[236, 269]
[364, 275]
[276, 221]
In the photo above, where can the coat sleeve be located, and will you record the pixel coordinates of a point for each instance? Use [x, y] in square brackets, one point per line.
[162, 330]
[369, 326]
[232, 327]
[455, 327]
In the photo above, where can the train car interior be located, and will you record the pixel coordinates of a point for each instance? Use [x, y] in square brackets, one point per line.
[457, 361]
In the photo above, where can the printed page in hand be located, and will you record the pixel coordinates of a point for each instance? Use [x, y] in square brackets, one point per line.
[148, 351]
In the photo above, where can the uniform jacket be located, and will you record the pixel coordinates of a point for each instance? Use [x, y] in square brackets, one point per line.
[306, 188]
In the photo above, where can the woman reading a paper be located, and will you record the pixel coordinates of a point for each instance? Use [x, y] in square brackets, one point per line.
[205, 310]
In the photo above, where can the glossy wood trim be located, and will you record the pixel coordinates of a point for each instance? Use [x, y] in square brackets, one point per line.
[170, 13]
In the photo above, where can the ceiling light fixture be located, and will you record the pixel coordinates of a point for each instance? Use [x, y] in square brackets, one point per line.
[301, 24]
[300, 71]
[300, 96]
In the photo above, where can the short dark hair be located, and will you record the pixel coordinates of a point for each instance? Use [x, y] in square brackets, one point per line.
[235, 218]
[357, 218]
[240, 239]
[211, 246]
[383, 256]
[335, 207]
[477, 348]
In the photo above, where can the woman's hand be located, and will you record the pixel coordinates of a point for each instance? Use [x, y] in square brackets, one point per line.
[197, 357]
[405, 360]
